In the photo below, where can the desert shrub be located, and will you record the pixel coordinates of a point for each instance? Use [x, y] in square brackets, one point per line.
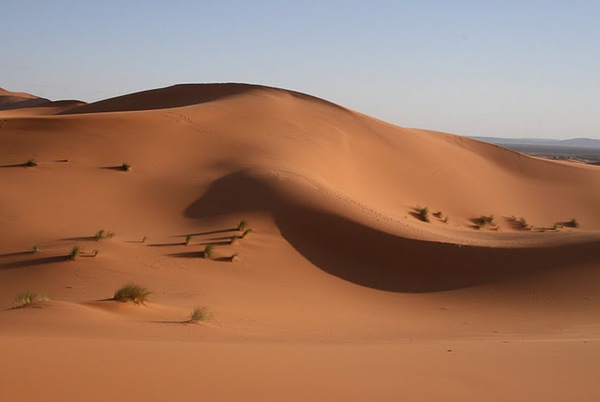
[438, 214]
[102, 234]
[75, 251]
[234, 240]
[199, 314]
[36, 248]
[31, 163]
[423, 213]
[188, 240]
[126, 167]
[132, 293]
[573, 223]
[246, 233]
[234, 257]
[209, 251]
[522, 222]
[25, 298]
[243, 225]
[485, 220]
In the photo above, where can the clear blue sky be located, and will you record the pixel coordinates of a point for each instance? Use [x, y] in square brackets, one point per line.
[495, 68]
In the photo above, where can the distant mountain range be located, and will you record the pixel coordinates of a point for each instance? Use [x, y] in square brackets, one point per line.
[589, 143]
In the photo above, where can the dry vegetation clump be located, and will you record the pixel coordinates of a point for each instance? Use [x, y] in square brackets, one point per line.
[75, 251]
[125, 167]
[102, 234]
[519, 223]
[573, 223]
[234, 257]
[243, 225]
[31, 163]
[35, 248]
[234, 240]
[188, 240]
[25, 298]
[423, 213]
[199, 314]
[209, 251]
[132, 293]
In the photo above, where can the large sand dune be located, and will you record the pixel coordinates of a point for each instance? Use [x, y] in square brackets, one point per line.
[341, 292]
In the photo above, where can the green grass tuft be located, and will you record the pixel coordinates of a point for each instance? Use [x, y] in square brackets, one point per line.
[209, 251]
[75, 251]
[132, 293]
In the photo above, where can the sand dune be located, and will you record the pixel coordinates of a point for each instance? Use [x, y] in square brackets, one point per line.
[340, 292]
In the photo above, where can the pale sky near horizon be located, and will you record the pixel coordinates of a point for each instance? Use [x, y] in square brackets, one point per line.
[481, 68]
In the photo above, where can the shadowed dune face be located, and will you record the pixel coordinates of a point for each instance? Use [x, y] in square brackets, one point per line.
[376, 259]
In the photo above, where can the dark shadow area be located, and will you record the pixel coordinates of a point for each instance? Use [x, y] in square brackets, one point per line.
[214, 243]
[380, 260]
[188, 254]
[18, 253]
[209, 232]
[18, 165]
[35, 262]
[80, 238]
[117, 168]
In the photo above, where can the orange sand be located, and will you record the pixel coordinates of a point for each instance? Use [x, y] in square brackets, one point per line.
[340, 292]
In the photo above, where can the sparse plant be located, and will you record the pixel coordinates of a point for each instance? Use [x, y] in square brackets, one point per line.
[188, 240]
[522, 222]
[573, 223]
[438, 214]
[246, 233]
[25, 298]
[485, 220]
[36, 248]
[423, 213]
[144, 239]
[31, 163]
[243, 225]
[445, 220]
[75, 251]
[125, 167]
[234, 257]
[233, 240]
[102, 234]
[209, 251]
[132, 293]
[199, 314]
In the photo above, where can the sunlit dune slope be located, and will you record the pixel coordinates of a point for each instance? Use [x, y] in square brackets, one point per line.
[340, 187]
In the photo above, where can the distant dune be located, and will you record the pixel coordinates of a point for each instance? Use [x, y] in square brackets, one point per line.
[384, 263]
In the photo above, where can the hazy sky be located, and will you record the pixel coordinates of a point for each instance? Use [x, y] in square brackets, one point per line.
[495, 68]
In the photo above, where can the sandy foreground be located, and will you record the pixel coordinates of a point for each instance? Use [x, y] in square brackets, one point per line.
[340, 292]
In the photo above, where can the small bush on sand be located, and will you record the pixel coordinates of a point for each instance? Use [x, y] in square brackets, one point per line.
[199, 314]
[36, 248]
[209, 251]
[438, 214]
[485, 220]
[573, 223]
[126, 167]
[234, 240]
[25, 298]
[243, 225]
[522, 223]
[102, 234]
[188, 240]
[75, 251]
[31, 163]
[132, 293]
[423, 213]
[246, 233]
[234, 257]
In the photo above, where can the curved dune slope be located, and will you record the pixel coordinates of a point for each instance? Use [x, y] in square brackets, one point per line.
[341, 187]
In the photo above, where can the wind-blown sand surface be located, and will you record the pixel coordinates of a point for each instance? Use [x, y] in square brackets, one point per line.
[340, 291]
